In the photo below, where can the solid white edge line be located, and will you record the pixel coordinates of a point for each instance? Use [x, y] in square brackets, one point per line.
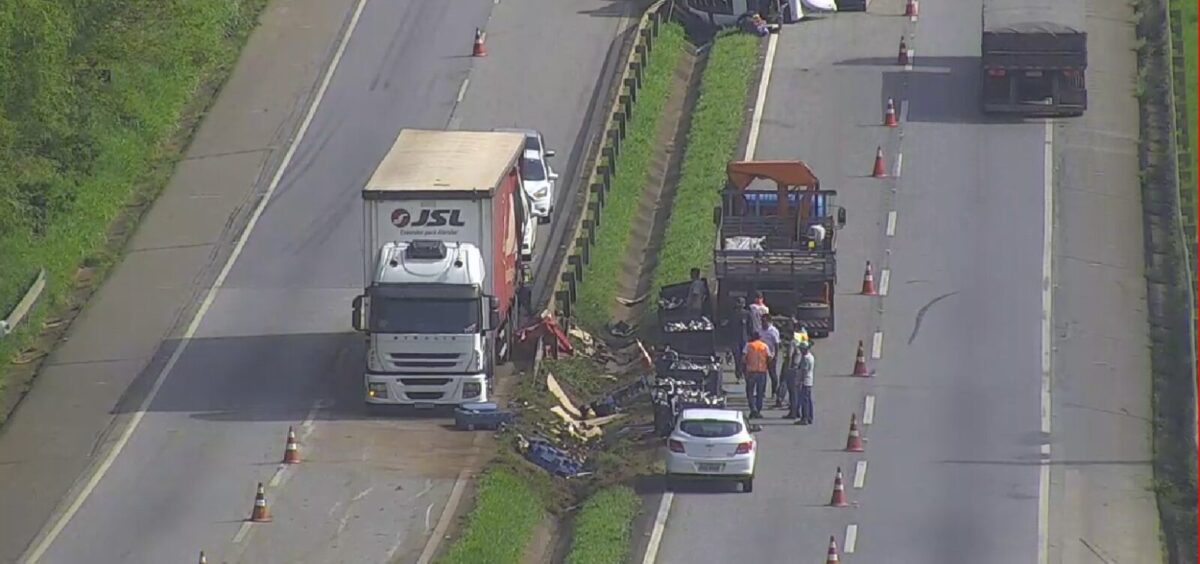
[891, 223]
[885, 280]
[869, 410]
[660, 525]
[439, 531]
[860, 474]
[1047, 365]
[44, 544]
[760, 101]
[877, 345]
[851, 539]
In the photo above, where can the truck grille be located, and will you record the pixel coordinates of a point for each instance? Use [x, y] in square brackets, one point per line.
[424, 381]
[424, 360]
[424, 396]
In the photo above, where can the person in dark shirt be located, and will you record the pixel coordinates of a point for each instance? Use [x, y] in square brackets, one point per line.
[740, 330]
[697, 292]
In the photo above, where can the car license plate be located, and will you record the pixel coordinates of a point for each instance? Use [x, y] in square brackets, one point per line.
[424, 405]
[709, 467]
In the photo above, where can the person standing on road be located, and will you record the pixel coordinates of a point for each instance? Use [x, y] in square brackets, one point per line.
[758, 311]
[696, 294]
[756, 355]
[770, 335]
[790, 356]
[802, 400]
[740, 331]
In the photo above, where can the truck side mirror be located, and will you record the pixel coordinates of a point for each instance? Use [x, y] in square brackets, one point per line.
[717, 216]
[356, 316]
[493, 312]
[841, 217]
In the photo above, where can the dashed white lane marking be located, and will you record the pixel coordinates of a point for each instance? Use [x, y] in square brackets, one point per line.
[869, 410]
[428, 512]
[912, 53]
[860, 474]
[242, 531]
[877, 345]
[885, 279]
[903, 111]
[44, 544]
[851, 539]
[1047, 365]
[760, 102]
[462, 90]
[899, 165]
[891, 223]
[660, 523]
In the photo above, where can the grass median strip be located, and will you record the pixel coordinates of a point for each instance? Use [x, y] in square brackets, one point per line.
[498, 530]
[597, 293]
[95, 101]
[602, 528]
[1185, 44]
[711, 141]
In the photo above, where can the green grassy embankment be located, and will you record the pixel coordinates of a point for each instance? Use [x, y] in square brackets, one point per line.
[1184, 43]
[508, 507]
[597, 292]
[97, 100]
[602, 528]
[711, 141]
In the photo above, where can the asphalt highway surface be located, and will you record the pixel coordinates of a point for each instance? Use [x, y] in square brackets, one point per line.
[161, 448]
[995, 433]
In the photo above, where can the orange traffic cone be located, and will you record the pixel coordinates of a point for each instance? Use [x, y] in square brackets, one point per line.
[260, 514]
[839, 491]
[479, 50]
[832, 556]
[203, 560]
[860, 362]
[879, 171]
[910, 8]
[903, 57]
[868, 285]
[889, 116]
[854, 442]
[291, 453]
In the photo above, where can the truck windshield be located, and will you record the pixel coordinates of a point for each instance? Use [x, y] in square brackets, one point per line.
[406, 315]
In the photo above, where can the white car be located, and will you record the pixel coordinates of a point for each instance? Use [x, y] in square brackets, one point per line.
[712, 444]
[537, 175]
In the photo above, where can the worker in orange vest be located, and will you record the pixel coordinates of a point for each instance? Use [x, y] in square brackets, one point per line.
[756, 357]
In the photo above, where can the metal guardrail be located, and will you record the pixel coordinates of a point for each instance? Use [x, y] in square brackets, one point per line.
[18, 313]
[599, 181]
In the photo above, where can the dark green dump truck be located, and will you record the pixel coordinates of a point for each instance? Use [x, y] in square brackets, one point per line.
[1034, 58]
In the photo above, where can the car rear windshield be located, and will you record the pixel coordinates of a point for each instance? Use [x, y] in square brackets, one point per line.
[710, 428]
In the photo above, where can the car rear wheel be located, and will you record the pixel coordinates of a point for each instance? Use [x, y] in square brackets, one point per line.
[748, 485]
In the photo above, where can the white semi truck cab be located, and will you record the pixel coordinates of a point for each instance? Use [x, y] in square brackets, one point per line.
[443, 221]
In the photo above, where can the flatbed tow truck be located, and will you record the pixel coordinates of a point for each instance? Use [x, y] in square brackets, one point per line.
[764, 243]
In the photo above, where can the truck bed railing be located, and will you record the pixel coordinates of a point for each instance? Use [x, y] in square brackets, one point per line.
[800, 265]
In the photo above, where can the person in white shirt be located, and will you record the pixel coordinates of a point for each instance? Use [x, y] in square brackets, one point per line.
[802, 401]
[758, 310]
[770, 336]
